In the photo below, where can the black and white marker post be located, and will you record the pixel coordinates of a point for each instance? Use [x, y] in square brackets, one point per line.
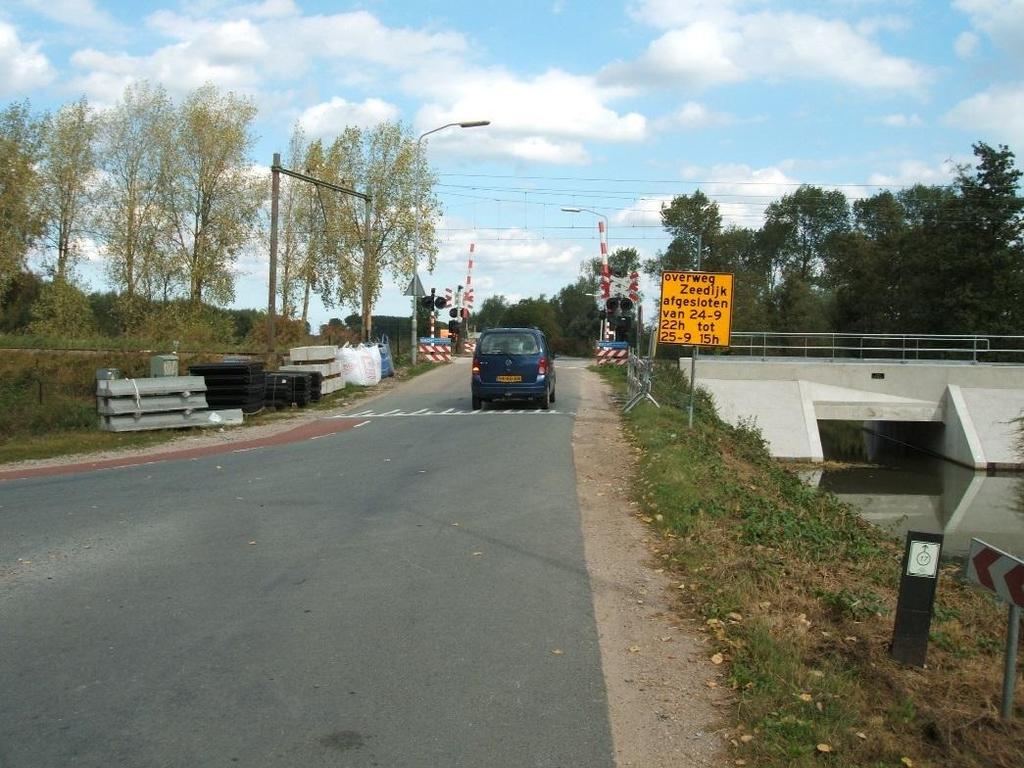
[918, 581]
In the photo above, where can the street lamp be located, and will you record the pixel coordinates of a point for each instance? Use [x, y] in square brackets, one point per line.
[604, 247]
[416, 253]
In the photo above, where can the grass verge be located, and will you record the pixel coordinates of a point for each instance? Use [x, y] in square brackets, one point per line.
[797, 595]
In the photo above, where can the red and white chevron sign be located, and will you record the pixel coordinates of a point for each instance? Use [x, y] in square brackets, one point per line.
[996, 571]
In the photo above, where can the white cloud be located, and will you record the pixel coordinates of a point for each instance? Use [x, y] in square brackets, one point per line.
[997, 113]
[330, 118]
[554, 104]
[698, 56]
[359, 37]
[75, 13]
[708, 47]
[269, 9]
[544, 119]
[1001, 20]
[103, 76]
[540, 119]
[236, 51]
[22, 66]
[514, 262]
[742, 194]
[899, 120]
[887, 23]
[910, 172]
[667, 14]
[694, 116]
[966, 45]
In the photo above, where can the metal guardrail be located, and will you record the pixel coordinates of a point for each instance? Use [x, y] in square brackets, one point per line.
[879, 346]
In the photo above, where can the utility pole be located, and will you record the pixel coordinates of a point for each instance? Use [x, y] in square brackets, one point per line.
[416, 247]
[696, 349]
[276, 169]
[275, 194]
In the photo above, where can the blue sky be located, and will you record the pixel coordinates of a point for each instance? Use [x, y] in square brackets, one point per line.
[613, 106]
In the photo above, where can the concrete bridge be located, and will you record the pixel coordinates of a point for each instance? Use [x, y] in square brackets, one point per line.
[963, 407]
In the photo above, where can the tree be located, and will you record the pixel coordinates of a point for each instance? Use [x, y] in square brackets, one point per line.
[62, 310]
[576, 312]
[534, 313]
[134, 144]
[211, 194]
[690, 219]
[291, 226]
[17, 301]
[987, 228]
[491, 313]
[21, 222]
[735, 250]
[385, 163]
[622, 262]
[66, 172]
[799, 227]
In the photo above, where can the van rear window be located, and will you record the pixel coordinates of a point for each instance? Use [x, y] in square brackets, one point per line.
[509, 344]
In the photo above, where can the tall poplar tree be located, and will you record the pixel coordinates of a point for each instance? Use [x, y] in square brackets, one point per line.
[66, 177]
[20, 220]
[211, 194]
[134, 143]
[384, 162]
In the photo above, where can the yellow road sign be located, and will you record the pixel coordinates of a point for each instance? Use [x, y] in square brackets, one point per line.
[695, 308]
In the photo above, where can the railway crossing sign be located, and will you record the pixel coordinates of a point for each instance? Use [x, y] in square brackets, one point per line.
[695, 309]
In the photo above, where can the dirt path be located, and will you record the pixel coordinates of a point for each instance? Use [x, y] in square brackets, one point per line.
[663, 712]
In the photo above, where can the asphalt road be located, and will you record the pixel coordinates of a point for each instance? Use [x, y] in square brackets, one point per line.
[411, 592]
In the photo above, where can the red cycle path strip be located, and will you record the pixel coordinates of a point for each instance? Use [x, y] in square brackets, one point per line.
[307, 431]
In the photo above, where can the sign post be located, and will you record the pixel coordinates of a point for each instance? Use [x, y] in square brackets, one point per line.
[1003, 574]
[918, 581]
[696, 310]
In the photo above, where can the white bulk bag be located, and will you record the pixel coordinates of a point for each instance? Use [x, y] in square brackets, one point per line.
[351, 367]
[370, 357]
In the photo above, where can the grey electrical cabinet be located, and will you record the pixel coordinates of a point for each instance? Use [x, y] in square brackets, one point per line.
[163, 365]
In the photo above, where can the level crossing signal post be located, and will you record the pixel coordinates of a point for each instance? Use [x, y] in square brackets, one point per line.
[432, 304]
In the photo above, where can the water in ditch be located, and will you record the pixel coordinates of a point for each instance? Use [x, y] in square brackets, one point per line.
[899, 489]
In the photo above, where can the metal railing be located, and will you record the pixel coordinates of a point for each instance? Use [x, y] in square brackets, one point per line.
[639, 378]
[880, 346]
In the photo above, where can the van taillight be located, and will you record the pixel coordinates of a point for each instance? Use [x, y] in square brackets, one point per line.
[476, 365]
[542, 366]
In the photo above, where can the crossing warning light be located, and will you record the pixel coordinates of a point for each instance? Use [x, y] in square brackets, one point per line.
[618, 305]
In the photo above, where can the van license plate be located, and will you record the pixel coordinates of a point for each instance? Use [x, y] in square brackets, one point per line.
[509, 379]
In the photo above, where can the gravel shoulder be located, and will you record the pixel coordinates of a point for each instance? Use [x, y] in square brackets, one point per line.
[663, 692]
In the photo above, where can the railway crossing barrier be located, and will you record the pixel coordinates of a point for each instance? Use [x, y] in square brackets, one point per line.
[612, 352]
[436, 350]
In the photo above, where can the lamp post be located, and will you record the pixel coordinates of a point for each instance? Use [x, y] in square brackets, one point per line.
[416, 252]
[604, 249]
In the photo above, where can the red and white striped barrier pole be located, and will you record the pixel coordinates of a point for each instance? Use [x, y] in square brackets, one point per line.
[467, 296]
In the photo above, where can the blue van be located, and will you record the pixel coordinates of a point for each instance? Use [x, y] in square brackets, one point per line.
[513, 364]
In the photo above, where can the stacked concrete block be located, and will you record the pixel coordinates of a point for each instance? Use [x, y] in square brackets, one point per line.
[165, 402]
[322, 360]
